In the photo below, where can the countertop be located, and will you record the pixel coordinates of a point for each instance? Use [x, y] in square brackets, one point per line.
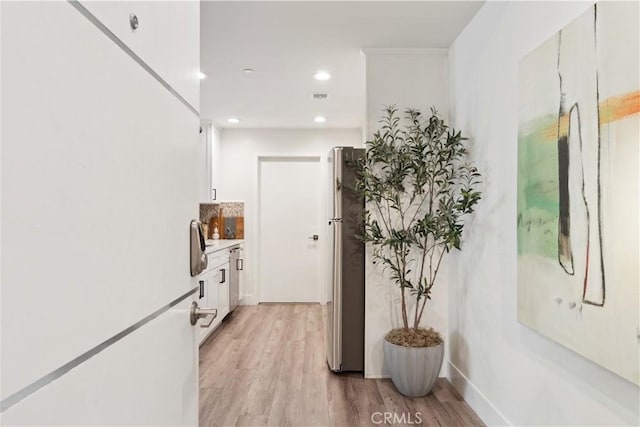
[216, 245]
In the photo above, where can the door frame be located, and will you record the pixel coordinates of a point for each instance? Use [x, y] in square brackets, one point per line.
[321, 160]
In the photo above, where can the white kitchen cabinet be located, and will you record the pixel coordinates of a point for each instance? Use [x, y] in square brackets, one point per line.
[207, 298]
[217, 258]
[215, 289]
[223, 290]
[164, 38]
[216, 164]
[213, 146]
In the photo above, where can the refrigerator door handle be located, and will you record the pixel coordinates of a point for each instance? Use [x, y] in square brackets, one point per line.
[336, 345]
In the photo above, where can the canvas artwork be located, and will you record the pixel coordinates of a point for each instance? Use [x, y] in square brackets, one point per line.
[578, 187]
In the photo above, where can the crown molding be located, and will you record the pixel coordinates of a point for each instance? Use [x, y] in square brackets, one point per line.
[404, 51]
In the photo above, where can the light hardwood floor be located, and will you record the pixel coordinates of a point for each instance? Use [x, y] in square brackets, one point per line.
[266, 365]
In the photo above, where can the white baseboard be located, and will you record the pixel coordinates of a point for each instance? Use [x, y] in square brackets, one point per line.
[444, 373]
[474, 397]
[248, 300]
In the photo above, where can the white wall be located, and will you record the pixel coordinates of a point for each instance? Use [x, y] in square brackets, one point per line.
[407, 78]
[508, 373]
[239, 151]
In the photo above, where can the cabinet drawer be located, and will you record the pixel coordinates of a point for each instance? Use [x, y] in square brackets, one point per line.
[218, 258]
[167, 38]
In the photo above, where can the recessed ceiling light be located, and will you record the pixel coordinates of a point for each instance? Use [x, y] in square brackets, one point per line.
[322, 75]
[320, 119]
[248, 70]
[201, 75]
[233, 120]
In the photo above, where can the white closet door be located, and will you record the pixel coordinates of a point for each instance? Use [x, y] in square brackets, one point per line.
[290, 208]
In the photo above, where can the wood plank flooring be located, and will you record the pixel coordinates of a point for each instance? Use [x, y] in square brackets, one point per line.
[265, 365]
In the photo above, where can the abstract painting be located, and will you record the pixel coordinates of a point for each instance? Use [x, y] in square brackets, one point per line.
[578, 187]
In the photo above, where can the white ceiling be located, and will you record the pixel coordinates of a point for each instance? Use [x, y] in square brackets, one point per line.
[287, 42]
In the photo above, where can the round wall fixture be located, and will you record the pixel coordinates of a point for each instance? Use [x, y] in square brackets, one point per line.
[133, 21]
[322, 75]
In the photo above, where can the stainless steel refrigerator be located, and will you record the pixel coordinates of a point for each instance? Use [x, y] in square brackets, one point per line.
[345, 305]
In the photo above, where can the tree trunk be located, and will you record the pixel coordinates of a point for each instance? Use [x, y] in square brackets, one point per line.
[405, 320]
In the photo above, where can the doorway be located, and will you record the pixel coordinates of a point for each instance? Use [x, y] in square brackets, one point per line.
[289, 241]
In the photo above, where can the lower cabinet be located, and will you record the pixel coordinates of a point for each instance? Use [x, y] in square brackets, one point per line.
[207, 298]
[223, 290]
[214, 289]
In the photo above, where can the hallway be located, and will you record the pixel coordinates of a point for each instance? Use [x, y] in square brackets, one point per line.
[266, 366]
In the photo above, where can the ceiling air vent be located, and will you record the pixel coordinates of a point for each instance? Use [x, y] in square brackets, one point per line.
[320, 96]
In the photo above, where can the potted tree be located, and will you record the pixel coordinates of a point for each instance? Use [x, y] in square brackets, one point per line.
[418, 188]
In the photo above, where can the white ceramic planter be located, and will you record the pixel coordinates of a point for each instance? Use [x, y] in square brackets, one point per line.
[413, 370]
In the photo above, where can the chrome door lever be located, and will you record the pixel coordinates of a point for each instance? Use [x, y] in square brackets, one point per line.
[209, 314]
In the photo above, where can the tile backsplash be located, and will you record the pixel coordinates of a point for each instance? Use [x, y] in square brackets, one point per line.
[208, 211]
[227, 216]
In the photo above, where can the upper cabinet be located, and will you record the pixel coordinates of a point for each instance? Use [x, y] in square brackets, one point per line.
[162, 34]
[216, 165]
[212, 159]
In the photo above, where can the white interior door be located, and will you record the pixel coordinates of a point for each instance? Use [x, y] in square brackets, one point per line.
[290, 209]
[99, 183]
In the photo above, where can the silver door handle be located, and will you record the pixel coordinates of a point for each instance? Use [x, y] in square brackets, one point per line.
[314, 237]
[209, 314]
